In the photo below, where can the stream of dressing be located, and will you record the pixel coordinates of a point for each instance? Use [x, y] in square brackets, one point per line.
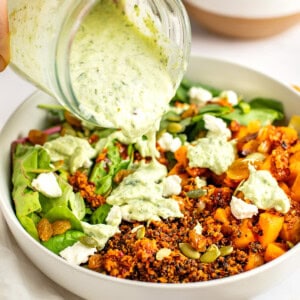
[119, 75]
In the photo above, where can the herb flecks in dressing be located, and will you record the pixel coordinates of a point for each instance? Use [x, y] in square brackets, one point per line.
[119, 75]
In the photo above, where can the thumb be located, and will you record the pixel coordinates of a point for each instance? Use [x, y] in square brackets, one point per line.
[4, 36]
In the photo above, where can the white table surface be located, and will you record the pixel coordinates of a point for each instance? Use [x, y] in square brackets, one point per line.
[277, 56]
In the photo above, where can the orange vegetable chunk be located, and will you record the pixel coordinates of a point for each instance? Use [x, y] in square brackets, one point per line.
[290, 231]
[245, 237]
[271, 225]
[254, 260]
[273, 251]
[295, 190]
[181, 156]
[221, 215]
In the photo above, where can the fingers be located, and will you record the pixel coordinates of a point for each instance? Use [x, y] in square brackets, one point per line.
[4, 36]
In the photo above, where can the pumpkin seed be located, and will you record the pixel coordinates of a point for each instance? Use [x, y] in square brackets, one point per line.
[188, 251]
[226, 250]
[174, 127]
[211, 254]
[88, 241]
[172, 116]
[140, 233]
[196, 193]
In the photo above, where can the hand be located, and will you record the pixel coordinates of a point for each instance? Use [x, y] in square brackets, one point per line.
[4, 36]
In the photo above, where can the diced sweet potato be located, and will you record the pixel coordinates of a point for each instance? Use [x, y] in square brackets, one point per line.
[181, 156]
[245, 237]
[221, 215]
[254, 260]
[295, 189]
[274, 250]
[270, 225]
[290, 231]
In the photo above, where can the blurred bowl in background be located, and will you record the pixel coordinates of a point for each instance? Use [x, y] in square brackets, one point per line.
[244, 18]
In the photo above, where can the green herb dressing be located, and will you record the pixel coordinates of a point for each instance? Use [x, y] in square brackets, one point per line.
[119, 74]
[263, 190]
[213, 152]
[74, 151]
[139, 195]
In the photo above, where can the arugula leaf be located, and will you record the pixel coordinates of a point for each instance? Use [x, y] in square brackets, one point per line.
[59, 242]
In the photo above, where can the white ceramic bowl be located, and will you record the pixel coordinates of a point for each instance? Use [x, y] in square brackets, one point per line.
[245, 18]
[92, 285]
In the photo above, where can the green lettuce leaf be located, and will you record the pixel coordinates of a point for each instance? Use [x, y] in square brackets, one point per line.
[63, 213]
[59, 242]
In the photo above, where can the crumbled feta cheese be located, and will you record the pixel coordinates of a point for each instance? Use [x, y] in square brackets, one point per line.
[199, 95]
[168, 143]
[114, 217]
[242, 210]
[200, 182]
[198, 228]
[171, 185]
[179, 109]
[77, 254]
[47, 184]
[216, 126]
[162, 253]
[231, 97]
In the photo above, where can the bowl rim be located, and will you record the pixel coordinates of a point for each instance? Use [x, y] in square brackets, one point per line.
[246, 9]
[11, 219]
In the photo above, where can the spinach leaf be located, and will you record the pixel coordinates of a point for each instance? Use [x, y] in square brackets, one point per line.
[187, 84]
[56, 111]
[264, 115]
[104, 185]
[59, 242]
[181, 94]
[267, 103]
[103, 172]
[262, 109]
[100, 214]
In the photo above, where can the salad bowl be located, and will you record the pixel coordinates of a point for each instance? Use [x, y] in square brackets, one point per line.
[245, 19]
[92, 285]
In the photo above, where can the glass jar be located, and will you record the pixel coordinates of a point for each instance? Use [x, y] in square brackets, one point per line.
[42, 33]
